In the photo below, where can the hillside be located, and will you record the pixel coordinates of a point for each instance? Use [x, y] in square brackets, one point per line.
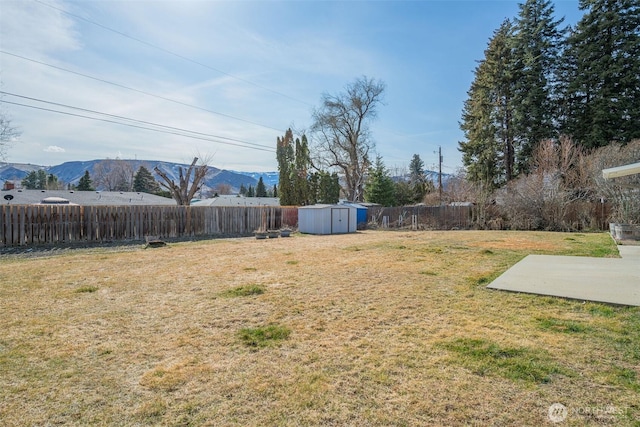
[71, 172]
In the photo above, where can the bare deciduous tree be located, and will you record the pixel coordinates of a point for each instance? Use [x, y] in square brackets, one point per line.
[113, 175]
[341, 132]
[8, 134]
[186, 188]
[542, 198]
[223, 189]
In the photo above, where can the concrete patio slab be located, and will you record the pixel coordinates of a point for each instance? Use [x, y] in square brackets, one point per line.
[609, 280]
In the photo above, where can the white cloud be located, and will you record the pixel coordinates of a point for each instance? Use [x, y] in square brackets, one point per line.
[54, 149]
[30, 28]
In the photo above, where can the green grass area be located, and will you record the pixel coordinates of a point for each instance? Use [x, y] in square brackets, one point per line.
[243, 291]
[484, 357]
[86, 289]
[375, 328]
[263, 336]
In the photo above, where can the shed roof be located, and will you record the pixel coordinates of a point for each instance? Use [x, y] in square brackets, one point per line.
[318, 206]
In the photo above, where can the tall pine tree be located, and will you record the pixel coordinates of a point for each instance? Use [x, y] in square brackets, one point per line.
[261, 190]
[380, 188]
[300, 172]
[294, 164]
[537, 43]
[418, 181]
[488, 114]
[601, 74]
[285, 154]
[85, 183]
[144, 182]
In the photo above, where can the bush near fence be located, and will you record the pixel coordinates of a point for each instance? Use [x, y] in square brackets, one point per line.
[22, 225]
[27, 225]
[421, 217]
[577, 216]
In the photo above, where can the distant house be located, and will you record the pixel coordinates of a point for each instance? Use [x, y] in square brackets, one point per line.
[327, 219]
[55, 201]
[86, 198]
[231, 200]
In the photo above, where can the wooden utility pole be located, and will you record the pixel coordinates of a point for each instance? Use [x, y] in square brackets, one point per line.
[440, 173]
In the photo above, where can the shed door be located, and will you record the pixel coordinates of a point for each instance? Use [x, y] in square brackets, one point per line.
[339, 221]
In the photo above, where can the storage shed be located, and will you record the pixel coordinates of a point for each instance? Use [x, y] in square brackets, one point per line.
[327, 219]
[361, 214]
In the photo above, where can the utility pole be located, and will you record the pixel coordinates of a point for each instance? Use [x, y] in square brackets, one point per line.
[440, 173]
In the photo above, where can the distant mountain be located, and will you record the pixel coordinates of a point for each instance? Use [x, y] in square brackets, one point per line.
[71, 172]
[433, 177]
[269, 178]
[15, 172]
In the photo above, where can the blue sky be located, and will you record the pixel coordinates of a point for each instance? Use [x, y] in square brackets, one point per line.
[244, 70]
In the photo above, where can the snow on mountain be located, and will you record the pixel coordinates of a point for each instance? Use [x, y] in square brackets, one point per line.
[71, 172]
[269, 178]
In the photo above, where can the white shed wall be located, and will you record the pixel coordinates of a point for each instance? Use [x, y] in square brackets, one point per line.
[327, 219]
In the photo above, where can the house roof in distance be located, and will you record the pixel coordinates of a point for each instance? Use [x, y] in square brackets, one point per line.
[231, 200]
[86, 198]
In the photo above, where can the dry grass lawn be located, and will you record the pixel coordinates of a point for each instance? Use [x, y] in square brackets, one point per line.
[370, 329]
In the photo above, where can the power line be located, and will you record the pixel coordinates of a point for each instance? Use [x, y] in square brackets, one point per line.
[260, 146]
[177, 55]
[178, 133]
[134, 126]
[138, 90]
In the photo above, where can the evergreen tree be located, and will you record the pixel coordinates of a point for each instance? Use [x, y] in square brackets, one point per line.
[380, 187]
[300, 172]
[39, 180]
[243, 190]
[537, 43]
[324, 187]
[144, 182]
[294, 163]
[404, 193]
[52, 182]
[286, 160]
[261, 190]
[601, 76]
[30, 182]
[419, 184]
[275, 190]
[251, 192]
[85, 183]
[42, 180]
[488, 114]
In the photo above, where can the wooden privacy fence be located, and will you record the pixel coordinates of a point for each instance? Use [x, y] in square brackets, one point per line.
[421, 217]
[43, 224]
[581, 215]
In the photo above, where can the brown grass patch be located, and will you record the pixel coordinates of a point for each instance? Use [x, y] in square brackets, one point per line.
[387, 328]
